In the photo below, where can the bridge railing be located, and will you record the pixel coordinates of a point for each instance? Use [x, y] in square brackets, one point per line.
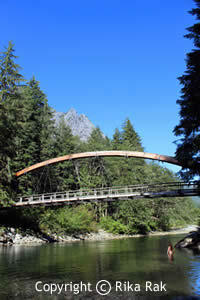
[100, 193]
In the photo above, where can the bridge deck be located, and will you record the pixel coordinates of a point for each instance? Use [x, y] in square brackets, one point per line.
[177, 189]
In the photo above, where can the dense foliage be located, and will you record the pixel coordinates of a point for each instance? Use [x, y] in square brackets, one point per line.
[188, 148]
[28, 135]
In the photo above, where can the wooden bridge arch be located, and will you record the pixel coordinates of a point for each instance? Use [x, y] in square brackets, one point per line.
[145, 155]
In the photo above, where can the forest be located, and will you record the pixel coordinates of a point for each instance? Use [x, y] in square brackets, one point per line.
[28, 135]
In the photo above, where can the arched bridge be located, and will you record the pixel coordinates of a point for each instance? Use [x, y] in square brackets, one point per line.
[145, 155]
[174, 189]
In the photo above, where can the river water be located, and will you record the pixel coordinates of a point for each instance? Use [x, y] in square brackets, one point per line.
[134, 268]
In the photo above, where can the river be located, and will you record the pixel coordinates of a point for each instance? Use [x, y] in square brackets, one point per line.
[131, 267]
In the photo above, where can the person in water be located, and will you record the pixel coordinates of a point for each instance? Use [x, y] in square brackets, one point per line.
[170, 252]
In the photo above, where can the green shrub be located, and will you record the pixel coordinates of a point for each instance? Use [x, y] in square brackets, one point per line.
[68, 220]
[113, 226]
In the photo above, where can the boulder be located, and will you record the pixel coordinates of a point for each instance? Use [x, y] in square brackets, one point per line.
[192, 240]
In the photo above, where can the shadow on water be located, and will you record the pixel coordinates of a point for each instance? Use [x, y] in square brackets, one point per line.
[190, 252]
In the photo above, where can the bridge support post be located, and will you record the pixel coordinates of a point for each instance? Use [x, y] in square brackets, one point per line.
[30, 199]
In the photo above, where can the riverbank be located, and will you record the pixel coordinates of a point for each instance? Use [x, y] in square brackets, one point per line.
[12, 236]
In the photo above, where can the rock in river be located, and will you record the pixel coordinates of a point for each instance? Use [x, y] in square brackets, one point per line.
[192, 240]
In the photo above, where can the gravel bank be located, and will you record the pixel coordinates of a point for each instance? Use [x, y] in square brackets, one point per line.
[10, 236]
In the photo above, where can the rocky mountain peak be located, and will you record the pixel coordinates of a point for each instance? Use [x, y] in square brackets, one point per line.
[80, 124]
[72, 113]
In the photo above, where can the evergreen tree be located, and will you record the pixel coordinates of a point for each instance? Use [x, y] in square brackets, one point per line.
[46, 129]
[29, 136]
[10, 78]
[94, 172]
[97, 141]
[127, 171]
[117, 140]
[10, 110]
[64, 172]
[130, 138]
[188, 148]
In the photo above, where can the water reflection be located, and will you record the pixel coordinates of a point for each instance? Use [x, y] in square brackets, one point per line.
[135, 260]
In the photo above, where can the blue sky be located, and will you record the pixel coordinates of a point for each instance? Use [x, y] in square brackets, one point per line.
[108, 59]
